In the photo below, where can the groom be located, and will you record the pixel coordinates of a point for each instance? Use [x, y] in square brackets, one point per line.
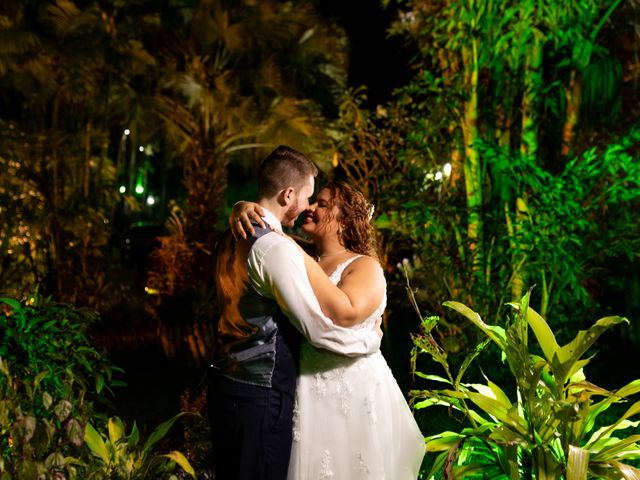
[263, 291]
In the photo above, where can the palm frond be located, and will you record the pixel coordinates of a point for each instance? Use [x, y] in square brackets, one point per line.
[602, 81]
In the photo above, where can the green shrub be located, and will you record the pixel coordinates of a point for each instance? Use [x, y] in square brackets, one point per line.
[124, 457]
[50, 378]
[550, 427]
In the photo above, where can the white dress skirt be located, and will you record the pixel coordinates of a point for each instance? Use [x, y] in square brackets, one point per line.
[350, 419]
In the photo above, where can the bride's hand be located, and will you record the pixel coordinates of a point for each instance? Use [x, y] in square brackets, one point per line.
[240, 218]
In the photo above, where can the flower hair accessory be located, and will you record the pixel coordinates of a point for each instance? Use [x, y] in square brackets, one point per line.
[371, 210]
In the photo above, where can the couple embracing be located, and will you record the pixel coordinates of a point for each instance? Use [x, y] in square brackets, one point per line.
[299, 389]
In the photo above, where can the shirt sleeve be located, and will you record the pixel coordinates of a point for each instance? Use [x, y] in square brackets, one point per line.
[278, 272]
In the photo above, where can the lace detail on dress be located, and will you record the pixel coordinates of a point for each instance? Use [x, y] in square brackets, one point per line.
[325, 469]
[364, 468]
[319, 385]
[296, 420]
[344, 390]
[370, 407]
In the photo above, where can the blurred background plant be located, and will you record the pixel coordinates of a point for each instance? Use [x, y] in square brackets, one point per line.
[53, 381]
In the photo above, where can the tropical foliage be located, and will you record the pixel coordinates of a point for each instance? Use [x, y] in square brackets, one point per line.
[472, 180]
[124, 457]
[204, 83]
[53, 387]
[549, 425]
[51, 380]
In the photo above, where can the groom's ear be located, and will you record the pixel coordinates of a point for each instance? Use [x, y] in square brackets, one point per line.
[286, 196]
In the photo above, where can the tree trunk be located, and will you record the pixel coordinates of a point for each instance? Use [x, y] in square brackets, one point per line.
[531, 101]
[86, 164]
[529, 150]
[573, 95]
[472, 166]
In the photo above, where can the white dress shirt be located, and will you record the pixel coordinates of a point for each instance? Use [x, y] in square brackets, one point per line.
[276, 270]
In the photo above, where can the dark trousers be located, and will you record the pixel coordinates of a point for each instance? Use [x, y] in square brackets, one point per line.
[251, 430]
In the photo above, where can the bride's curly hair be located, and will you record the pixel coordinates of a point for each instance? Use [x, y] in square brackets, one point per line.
[356, 213]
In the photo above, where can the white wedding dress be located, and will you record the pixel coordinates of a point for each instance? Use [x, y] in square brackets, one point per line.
[351, 420]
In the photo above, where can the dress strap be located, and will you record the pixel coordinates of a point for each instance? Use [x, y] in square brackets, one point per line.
[337, 273]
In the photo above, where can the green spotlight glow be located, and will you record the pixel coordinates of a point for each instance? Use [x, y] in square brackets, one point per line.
[139, 189]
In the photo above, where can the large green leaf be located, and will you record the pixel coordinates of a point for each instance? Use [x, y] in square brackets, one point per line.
[500, 411]
[469, 358]
[606, 431]
[435, 378]
[479, 470]
[17, 309]
[181, 460]
[627, 471]
[569, 354]
[577, 463]
[134, 436]
[442, 441]
[619, 395]
[13, 303]
[454, 402]
[96, 444]
[116, 430]
[542, 331]
[507, 436]
[438, 464]
[159, 433]
[617, 449]
[495, 333]
[498, 393]
[630, 388]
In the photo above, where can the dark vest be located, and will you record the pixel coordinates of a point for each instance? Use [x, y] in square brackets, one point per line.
[257, 345]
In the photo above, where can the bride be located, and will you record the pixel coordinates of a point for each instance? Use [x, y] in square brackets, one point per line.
[351, 420]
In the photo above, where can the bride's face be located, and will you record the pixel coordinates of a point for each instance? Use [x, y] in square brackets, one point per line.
[322, 217]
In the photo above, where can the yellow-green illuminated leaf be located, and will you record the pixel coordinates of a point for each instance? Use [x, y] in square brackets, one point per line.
[159, 433]
[542, 332]
[619, 449]
[627, 471]
[116, 429]
[435, 378]
[442, 441]
[629, 389]
[507, 436]
[181, 460]
[631, 411]
[495, 333]
[95, 443]
[569, 354]
[499, 393]
[499, 411]
[577, 463]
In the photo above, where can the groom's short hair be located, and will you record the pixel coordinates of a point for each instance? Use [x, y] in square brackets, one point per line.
[283, 168]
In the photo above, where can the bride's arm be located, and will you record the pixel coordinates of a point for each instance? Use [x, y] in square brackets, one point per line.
[357, 295]
[360, 291]
[240, 218]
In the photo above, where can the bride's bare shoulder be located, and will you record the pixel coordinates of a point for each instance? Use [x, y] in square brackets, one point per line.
[366, 263]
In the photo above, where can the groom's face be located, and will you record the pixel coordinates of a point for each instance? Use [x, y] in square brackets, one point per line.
[299, 202]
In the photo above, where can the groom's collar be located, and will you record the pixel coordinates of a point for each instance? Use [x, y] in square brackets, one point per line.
[271, 220]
